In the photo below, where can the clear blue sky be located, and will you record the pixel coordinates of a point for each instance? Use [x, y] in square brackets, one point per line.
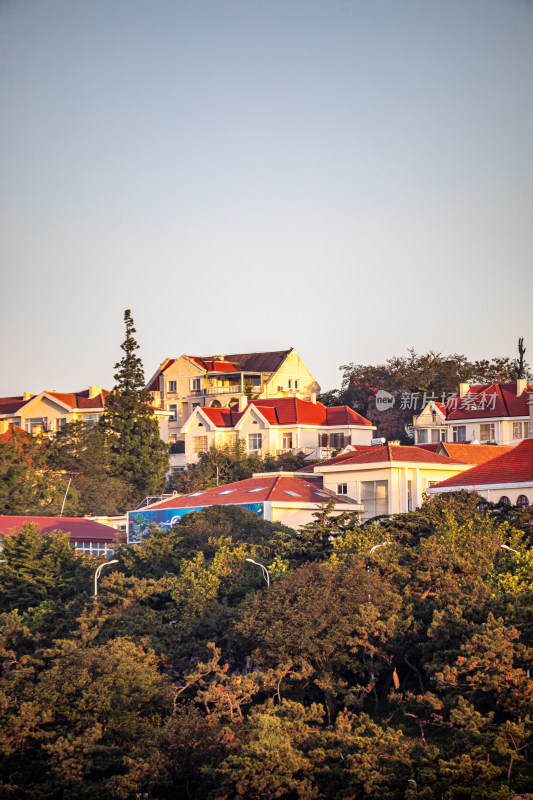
[347, 177]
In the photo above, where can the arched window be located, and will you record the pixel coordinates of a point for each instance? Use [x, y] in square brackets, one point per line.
[522, 501]
[216, 404]
[505, 500]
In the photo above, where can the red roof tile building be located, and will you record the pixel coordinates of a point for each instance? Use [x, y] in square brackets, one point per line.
[50, 411]
[226, 381]
[507, 478]
[276, 426]
[275, 496]
[499, 413]
[88, 537]
[389, 479]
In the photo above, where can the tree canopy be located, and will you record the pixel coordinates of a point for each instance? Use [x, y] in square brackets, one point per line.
[397, 671]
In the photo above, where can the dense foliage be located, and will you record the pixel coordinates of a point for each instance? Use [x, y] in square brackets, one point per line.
[385, 661]
[231, 462]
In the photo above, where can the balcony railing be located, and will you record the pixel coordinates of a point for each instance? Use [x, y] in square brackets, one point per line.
[234, 389]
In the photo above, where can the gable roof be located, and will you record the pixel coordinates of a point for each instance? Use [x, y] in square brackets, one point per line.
[288, 411]
[14, 435]
[74, 400]
[515, 466]
[474, 453]
[292, 410]
[489, 401]
[78, 528]
[390, 453]
[273, 487]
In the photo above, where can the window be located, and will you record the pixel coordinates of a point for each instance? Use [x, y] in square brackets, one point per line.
[91, 419]
[172, 386]
[459, 433]
[432, 483]
[522, 501]
[290, 383]
[255, 441]
[194, 384]
[520, 430]
[295, 384]
[292, 494]
[438, 435]
[504, 500]
[173, 412]
[286, 441]
[342, 488]
[36, 424]
[486, 432]
[60, 423]
[336, 440]
[92, 548]
[422, 437]
[375, 498]
[199, 444]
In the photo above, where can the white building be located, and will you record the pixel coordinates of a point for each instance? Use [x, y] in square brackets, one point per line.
[498, 413]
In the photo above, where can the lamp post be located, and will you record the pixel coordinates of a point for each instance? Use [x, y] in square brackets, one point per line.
[506, 547]
[266, 576]
[99, 570]
[376, 547]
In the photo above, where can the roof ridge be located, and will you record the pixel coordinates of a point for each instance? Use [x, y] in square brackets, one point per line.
[503, 399]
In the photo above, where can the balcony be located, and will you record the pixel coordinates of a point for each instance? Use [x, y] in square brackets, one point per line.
[234, 389]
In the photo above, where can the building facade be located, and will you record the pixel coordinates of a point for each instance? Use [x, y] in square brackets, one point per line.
[498, 413]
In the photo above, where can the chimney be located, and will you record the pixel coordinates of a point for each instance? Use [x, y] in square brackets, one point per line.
[243, 402]
[530, 401]
[521, 386]
[464, 388]
[94, 391]
[27, 395]
[313, 397]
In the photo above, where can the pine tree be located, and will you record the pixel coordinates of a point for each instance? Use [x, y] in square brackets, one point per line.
[138, 455]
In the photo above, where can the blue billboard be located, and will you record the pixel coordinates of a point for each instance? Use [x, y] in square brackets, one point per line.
[139, 522]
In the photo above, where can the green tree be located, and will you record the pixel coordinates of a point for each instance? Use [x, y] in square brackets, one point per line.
[37, 567]
[82, 451]
[138, 456]
[27, 484]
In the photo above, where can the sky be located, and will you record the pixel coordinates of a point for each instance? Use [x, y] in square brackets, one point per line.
[347, 177]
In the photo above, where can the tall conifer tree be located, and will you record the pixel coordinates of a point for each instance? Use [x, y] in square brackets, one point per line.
[138, 455]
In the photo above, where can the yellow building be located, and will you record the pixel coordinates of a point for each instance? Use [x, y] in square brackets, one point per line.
[49, 412]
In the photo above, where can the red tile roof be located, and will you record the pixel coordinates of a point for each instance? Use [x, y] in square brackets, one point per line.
[515, 466]
[76, 400]
[14, 435]
[153, 386]
[290, 411]
[10, 405]
[489, 401]
[223, 417]
[78, 528]
[81, 400]
[338, 459]
[274, 487]
[391, 453]
[474, 453]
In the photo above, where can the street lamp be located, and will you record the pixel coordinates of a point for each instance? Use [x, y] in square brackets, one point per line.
[506, 547]
[266, 576]
[99, 570]
[376, 547]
